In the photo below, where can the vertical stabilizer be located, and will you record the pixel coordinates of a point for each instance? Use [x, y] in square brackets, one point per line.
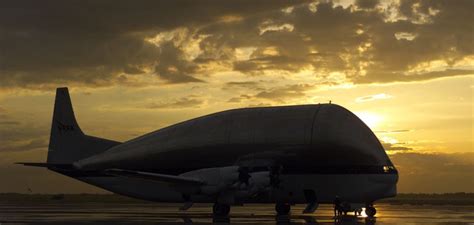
[67, 142]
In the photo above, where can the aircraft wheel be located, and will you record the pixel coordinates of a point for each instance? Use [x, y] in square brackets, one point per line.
[282, 208]
[220, 209]
[346, 207]
[370, 211]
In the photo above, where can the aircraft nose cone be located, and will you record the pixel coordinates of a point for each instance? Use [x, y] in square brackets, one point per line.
[385, 179]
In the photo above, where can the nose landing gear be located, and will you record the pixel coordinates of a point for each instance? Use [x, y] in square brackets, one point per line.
[282, 208]
[220, 209]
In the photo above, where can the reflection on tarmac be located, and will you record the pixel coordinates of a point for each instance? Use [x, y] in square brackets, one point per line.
[61, 213]
[304, 220]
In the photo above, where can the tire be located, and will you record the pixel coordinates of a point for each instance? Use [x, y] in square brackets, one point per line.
[370, 211]
[346, 207]
[220, 209]
[282, 208]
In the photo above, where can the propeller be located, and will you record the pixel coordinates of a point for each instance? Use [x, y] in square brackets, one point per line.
[275, 172]
[244, 175]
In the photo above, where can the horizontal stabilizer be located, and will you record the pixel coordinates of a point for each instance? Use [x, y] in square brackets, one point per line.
[155, 177]
[48, 165]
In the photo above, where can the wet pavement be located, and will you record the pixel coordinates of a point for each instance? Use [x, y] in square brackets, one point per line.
[93, 213]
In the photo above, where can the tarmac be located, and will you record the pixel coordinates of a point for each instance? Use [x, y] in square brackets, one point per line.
[94, 213]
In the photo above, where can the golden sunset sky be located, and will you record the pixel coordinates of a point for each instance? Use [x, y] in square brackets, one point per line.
[406, 68]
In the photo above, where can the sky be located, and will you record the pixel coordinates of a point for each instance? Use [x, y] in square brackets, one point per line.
[406, 68]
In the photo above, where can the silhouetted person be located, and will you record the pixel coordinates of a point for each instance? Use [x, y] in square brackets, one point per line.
[244, 175]
[337, 206]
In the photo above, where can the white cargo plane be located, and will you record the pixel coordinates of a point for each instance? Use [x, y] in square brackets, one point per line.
[303, 154]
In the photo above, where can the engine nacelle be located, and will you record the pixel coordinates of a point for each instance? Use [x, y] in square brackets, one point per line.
[229, 180]
[217, 179]
[258, 182]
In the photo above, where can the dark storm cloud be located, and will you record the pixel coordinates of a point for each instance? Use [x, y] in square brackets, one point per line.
[45, 56]
[93, 41]
[172, 67]
[318, 38]
[444, 36]
[368, 45]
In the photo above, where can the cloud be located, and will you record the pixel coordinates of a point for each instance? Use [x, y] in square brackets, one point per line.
[246, 84]
[173, 68]
[435, 172]
[367, 4]
[384, 77]
[395, 147]
[239, 98]
[93, 43]
[366, 42]
[33, 144]
[259, 105]
[392, 131]
[373, 97]
[3, 114]
[278, 94]
[21, 134]
[185, 102]
[9, 122]
[17, 136]
[364, 45]
[282, 93]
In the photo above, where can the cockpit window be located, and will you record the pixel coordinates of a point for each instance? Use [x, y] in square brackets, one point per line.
[389, 169]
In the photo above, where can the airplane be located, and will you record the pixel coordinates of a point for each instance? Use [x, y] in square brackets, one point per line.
[284, 155]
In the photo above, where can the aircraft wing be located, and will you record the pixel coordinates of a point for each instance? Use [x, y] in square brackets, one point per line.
[127, 173]
[155, 177]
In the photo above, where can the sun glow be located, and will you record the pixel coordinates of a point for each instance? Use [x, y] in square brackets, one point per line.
[371, 119]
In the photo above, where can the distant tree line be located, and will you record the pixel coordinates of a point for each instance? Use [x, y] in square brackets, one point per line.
[460, 198]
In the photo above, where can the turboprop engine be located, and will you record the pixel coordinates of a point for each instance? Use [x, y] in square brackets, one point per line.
[257, 182]
[231, 179]
[216, 179]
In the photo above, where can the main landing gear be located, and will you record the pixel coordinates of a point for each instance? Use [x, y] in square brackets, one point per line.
[370, 210]
[220, 209]
[282, 208]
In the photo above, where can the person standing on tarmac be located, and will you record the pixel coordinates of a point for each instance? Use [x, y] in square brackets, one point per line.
[337, 206]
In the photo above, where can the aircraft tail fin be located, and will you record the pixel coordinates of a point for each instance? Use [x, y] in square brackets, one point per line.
[67, 142]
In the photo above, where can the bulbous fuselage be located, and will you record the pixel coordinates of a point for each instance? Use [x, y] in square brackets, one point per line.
[304, 137]
[323, 148]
